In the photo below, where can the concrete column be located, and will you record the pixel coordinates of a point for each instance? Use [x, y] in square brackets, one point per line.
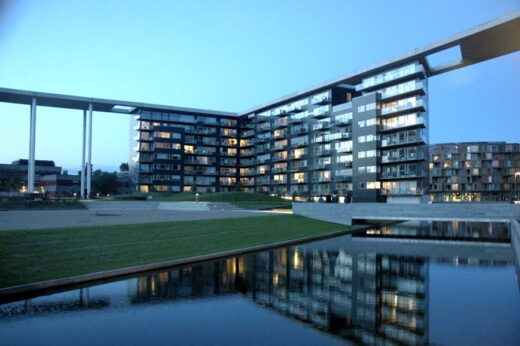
[32, 147]
[89, 149]
[83, 173]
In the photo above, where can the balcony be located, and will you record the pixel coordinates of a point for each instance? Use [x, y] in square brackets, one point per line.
[418, 105]
[320, 100]
[279, 170]
[403, 192]
[262, 139]
[389, 126]
[297, 168]
[416, 87]
[343, 177]
[325, 152]
[280, 182]
[294, 119]
[320, 114]
[246, 153]
[322, 126]
[320, 179]
[409, 157]
[263, 127]
[400, 175]
[320, 166]
[245, 163]
[391, 77]
[279, 158]
[391, 142]
[280, 123]
[280, 147]
[300, 131]
[298, 157]
[299, 144]
[299, 181]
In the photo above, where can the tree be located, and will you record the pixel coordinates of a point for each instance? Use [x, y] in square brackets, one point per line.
[123, 167]
[10, 181]
[104, 182]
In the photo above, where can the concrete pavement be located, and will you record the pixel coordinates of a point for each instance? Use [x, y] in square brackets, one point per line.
[114, 213]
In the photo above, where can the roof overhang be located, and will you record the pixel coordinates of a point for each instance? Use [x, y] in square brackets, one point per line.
[490, 40]
[98, 105]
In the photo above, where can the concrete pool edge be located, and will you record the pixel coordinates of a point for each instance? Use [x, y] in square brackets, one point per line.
[515, 244]
[13, 293]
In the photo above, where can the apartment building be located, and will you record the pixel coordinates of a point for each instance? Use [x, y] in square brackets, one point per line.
[474, 171]
[364, 142]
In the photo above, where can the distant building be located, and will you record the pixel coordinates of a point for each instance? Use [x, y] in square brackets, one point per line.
[474, 171]
[13, 176]
[42, 167]
[59, 184]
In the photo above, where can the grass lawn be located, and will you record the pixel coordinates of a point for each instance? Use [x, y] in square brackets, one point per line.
[38, 255]
[245, 200]
[17, 204]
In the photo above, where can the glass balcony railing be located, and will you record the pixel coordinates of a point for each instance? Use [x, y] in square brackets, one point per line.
[407, 157]
[403, 106]
[403, 89]
[392, 125]
[389, 76]
[320, 165]
[400, 175]
[403, 191]
[320, 99]
[394, 141]
[320, 179]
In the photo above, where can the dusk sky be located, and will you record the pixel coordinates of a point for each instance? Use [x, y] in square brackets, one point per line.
[231, 56]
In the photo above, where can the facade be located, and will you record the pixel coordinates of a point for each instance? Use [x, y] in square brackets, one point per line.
[184, 151]
[364, 142]
[474, 171]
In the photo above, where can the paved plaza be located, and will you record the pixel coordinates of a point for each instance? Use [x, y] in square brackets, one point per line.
[114, 213]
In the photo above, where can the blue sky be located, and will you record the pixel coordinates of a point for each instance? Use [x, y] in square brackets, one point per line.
[231, 56]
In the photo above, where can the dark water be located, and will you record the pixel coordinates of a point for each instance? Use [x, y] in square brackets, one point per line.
[360, 290]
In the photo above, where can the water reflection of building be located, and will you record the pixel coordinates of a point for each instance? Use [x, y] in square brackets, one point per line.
[366, 298]
[445, 230]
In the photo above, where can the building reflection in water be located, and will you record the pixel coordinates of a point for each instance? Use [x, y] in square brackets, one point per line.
[452, 230]
[368, 298]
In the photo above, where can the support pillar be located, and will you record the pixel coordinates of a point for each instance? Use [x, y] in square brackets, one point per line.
[82, 192]
[32, 148]
[89, 150]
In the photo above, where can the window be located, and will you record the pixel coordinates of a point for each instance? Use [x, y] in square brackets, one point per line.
[370, 106]
[371, 185]
[371, 122]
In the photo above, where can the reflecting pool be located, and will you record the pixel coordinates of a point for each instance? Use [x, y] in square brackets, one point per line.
[373, 288]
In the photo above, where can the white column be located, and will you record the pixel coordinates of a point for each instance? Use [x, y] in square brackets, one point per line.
[32, 147]
[89, 150]
[83, 173]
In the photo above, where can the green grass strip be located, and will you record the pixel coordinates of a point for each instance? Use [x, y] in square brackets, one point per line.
[28, 256]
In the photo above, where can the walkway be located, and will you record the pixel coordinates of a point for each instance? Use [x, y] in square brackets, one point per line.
[114, 213]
